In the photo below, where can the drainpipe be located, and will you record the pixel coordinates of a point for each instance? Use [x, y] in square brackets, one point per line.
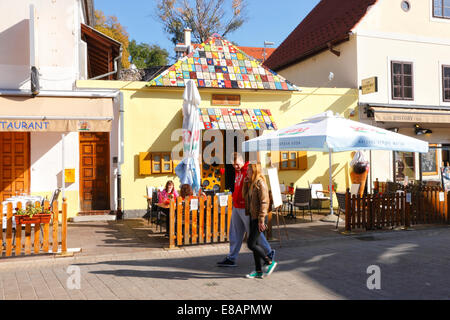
[116, 69]
[119, 214]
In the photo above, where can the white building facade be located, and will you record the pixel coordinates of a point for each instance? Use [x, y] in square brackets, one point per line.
[406, 46]
[53, 136]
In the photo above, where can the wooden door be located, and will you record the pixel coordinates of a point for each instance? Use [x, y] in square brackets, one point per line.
[94, 171]
[14, 164]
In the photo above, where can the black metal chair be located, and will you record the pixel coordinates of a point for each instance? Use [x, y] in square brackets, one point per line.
[341, 205]
[302, 199]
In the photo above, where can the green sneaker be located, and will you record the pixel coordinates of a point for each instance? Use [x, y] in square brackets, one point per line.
[270, 269]
[255, 275]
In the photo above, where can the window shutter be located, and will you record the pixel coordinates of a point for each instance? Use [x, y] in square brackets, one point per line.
[145, 164]
[302, 160]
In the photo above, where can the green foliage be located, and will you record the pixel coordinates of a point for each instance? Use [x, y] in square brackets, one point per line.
[144, 55]
[31, 210]
[203, 17]
[111, 27]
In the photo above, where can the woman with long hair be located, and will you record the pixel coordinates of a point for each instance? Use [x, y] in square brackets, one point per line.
[168, 193]
[164, 198]
[256, 195]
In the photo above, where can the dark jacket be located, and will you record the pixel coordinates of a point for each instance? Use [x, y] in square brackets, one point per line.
[257, 201]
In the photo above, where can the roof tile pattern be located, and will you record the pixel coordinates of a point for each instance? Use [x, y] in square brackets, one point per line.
[217, 63]
[329, 21]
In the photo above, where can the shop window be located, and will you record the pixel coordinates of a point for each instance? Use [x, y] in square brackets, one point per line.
[404, 166]
[156, 163]
[293, 160]
[402, 80]
[446, 83]
[441, 9]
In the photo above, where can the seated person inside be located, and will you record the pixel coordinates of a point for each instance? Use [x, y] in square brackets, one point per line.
[164, 198]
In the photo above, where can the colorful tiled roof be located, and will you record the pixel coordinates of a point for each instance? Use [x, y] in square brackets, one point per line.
[329, 22]
[218, 63]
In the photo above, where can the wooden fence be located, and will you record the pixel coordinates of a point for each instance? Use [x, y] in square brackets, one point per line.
[26, 242]
[207, 222]
[427, 205]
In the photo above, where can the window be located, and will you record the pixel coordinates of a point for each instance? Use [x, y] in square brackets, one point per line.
[293, 160]
[156, 163]
[404, 166]
[402, 80]
[441, 9]
[446, 83]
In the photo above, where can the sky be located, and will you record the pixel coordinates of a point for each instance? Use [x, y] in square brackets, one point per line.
[268, 20]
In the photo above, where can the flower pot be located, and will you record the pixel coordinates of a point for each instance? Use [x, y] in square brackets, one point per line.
[37, 218]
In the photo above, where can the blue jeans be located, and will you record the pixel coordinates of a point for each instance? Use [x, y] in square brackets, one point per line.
[240, 223]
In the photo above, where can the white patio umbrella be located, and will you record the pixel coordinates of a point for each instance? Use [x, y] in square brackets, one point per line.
[189, 169]
[332, 133]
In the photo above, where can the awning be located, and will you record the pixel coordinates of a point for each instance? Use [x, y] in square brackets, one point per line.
[411, 115]
[236, 119]
[56, 114]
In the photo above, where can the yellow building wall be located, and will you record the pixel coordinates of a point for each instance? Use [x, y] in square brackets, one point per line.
[153, 114]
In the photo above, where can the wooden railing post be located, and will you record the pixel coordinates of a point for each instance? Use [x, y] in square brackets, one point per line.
[348, 212]
[370, 213]
[201, 220]
[55, 227]
[208, 219]
[172, 224]
[18, 248]
[230, 212]
[45, 244]
[9, 217]
[222, 224]
[215, 218]
[194, 236]
[179, 221]
[187, 222]
[64, 226]
[407, 208]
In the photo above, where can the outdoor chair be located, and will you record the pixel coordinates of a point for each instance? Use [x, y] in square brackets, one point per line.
[317, 193]
[341, 205]
[302, 199]
[149, 191]
[55, 197]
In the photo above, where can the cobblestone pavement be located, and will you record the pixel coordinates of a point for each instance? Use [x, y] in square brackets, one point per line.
[413, 265]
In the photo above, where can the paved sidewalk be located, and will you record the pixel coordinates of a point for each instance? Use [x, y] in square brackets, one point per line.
[413, 265]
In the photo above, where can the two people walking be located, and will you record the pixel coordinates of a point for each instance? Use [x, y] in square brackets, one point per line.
[250, 207]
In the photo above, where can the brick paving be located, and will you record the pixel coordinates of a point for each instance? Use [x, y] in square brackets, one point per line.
[127, 261]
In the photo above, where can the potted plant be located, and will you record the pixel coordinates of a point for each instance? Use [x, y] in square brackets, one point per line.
[32, 214]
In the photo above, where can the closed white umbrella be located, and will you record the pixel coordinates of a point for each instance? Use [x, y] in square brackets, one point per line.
[189, 169]
[332, 133]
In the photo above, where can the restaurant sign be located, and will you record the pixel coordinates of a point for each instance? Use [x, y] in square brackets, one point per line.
[369, 85]
[55, 125]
